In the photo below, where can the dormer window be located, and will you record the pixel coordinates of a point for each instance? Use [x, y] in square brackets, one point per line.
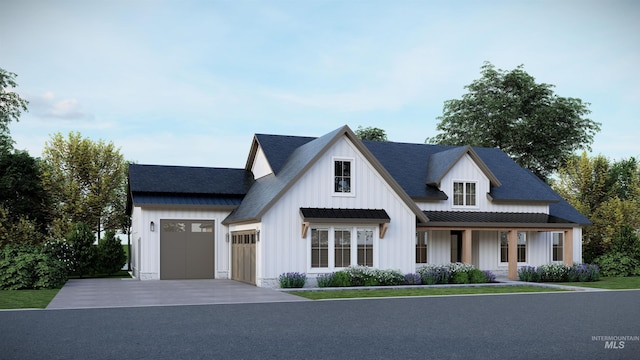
[464, 194]
[343, 176]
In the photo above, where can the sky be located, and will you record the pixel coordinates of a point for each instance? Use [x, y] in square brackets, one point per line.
[190, 82]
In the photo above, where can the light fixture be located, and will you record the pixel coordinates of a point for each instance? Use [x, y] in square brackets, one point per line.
[257, 235]
[152, 226]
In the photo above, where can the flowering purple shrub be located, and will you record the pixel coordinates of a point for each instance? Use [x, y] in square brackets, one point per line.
[292, 280]
[528, 273]
[584, 273]
[559, 272]
[489, 276]
[412, 279]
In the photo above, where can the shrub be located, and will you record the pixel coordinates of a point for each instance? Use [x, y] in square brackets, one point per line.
[361, 276]
[388, 277]
[553, 272]
[460, 277]
[476, 276]
[584, 273]
[528, 273]
[61, 250]
[111, 257]
[435, 274]
[412, 279]
[618, 264]
[340, 279]
[489, 276]
[292, 280]
[81, 240]
[325, 280]
[28, 267]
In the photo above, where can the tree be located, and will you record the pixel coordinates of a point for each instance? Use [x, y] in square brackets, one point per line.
[371, 133]
[606, 192]
[510, 111]
[11, 106]
[111, 255]
[86, 180]
[85, 254]
[21, 191]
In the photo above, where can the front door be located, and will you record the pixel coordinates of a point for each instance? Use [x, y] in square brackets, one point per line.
[456, 246]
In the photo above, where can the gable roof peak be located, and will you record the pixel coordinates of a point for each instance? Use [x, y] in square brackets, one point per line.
[440, 163]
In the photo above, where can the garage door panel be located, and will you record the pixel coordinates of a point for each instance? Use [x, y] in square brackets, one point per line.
[187, 249]
[243, 257]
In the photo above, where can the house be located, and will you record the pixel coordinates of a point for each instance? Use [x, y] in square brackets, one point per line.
[315, 205]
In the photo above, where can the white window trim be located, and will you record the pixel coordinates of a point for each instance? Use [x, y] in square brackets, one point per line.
[354, 246]
[352, 160]
[464, 182]
[505, 264]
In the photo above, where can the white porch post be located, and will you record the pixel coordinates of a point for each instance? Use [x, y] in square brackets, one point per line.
[513, 254]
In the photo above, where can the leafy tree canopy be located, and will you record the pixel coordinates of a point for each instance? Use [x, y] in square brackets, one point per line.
[371, 133]
[510, 111]
[11, 106]
[87, 181]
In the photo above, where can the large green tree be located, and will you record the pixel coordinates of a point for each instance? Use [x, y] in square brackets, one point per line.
[371, 133]
[87, 180]
[607, 192]
[510, 111]
[11, 106]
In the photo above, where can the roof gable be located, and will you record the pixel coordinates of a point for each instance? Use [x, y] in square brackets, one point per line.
[441, 162]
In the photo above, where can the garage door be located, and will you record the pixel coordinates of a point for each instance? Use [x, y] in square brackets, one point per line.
[243, 257]
[186, 249]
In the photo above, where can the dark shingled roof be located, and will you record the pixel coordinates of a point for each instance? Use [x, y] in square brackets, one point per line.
[481, 218]
[346, 214]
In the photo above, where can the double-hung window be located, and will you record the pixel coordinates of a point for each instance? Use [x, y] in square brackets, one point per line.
[342, 176]
[557, 247]
[421, 247]
[319, 248]
[464, 193]
[342, 246]
[521, 245]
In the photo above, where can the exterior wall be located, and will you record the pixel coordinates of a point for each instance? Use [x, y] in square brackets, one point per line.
[146, 244]
[467, 170]
[260, 166]
[283, 249]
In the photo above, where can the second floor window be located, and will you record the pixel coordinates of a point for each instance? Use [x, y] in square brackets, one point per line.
[464, 194]
[342, 176]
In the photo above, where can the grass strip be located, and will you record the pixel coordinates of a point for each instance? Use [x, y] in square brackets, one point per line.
[612, 283]
[344, 294]
[26, 299]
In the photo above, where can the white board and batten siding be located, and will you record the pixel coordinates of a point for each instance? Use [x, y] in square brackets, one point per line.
[147, 266]
[260, 166]
[281, 240]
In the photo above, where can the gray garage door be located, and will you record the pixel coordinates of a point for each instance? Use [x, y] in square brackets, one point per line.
[243, 257]
[186, 249]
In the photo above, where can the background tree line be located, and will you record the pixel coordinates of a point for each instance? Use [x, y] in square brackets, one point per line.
[53, 209]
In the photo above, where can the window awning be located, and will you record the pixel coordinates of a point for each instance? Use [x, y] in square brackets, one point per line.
[333, 216]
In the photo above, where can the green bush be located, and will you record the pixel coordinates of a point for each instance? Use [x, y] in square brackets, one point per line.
[28, 267]
[460, 277]
[618, 264]
[325, 280]
[81, 240]
[528, 273]
[477, 276]
[553, 272]
[340, 279]
[111, 256]
[61, 250]
[388, 277]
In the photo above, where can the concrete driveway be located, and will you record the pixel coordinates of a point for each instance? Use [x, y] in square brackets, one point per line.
[109, 293]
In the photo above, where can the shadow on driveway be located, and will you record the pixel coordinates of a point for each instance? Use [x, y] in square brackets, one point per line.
[109, 293]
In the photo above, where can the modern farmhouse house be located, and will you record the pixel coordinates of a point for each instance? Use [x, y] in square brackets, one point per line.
[316, 205]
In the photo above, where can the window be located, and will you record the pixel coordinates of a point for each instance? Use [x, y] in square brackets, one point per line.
[421, 247]
[464, 194]
[504, 247]
[557, 248]
[342, 176]
[319, 248]
[365, 247]
[342, 247]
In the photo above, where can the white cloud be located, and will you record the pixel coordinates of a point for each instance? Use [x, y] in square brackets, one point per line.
[48, 106]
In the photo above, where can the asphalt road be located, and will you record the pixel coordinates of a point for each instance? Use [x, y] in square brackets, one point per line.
[522, 326]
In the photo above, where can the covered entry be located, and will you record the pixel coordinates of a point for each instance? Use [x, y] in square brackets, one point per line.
[243, 256]
[186, 249]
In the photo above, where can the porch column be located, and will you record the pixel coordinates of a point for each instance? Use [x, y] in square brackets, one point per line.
[567, 246]
[513, 254]
[466, 246]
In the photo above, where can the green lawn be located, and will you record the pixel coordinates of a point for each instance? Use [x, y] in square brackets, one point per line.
[613, 283]
[26, 299]
[341, 294]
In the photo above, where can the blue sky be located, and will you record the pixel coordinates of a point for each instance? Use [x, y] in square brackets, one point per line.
[190, 82]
